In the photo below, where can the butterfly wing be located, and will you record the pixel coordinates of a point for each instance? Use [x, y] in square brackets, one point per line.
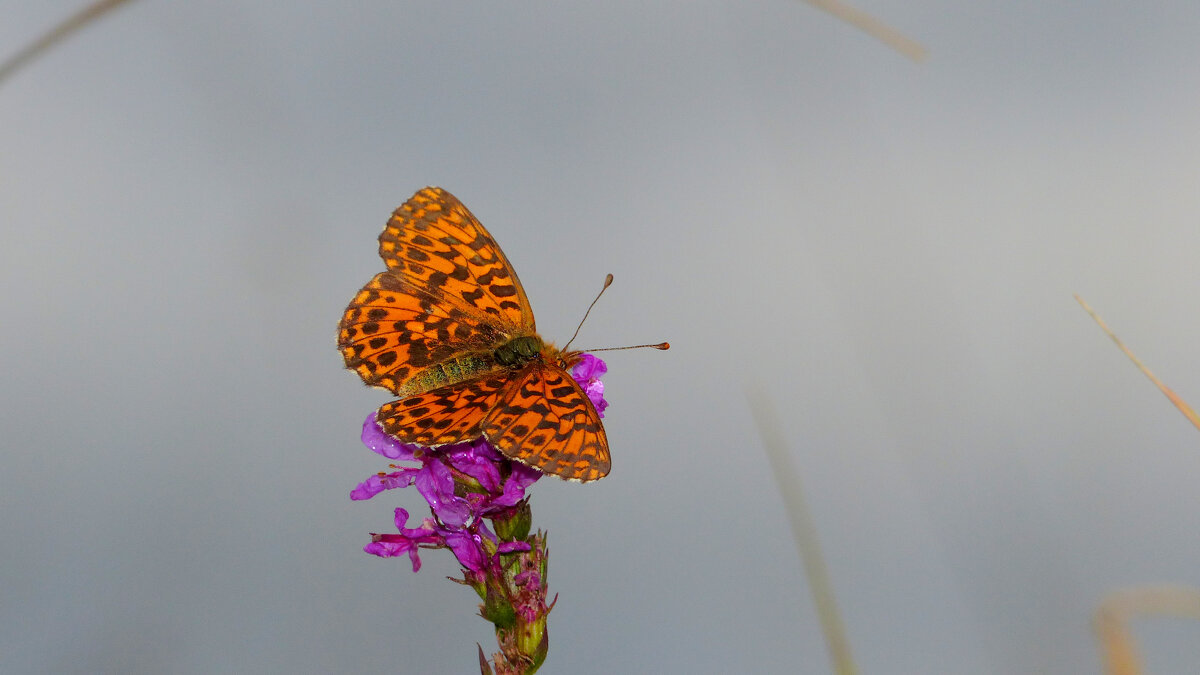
[408, 340]
[435, 243]
[448, 299]
[451, 414]
[545, 420]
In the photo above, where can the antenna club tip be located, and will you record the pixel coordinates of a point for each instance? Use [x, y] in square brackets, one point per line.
[663, 346]
[608, 279]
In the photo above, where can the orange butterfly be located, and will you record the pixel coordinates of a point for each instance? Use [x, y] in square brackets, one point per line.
[448, 329]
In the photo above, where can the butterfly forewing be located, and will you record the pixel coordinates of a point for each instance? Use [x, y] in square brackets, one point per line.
[435, 243]
[545, 420]
[396, 335]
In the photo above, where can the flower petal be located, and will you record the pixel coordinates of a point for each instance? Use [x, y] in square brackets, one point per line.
[511, 546]
[368, 488]
[514, 488]
[436, 485]
[467, 547]
[377, 440]
[589, 368]
[587, 372]
[479, 461]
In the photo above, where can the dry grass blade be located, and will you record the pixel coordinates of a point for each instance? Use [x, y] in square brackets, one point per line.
[57, 34]
[1119, 607]
[1172, 396]
[873, 27]
[804, 532]
[485, 668]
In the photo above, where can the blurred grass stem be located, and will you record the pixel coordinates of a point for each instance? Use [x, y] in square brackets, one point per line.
[1119, 607]
[873, 27]
[804, 531]
[1172, 396]
[57, 34]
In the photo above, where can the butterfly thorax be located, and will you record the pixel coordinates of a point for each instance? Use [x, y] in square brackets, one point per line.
[518, 351]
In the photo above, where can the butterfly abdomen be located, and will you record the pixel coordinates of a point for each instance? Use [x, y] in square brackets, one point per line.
[509, 355]
[450, 371]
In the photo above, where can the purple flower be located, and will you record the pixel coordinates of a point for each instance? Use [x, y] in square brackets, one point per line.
[514, 488]
[514, 546]
[434, 479]
[462, 483]
[369, 488]
[477, 460]
[377, 440]
[467, 546]
[587, 372]
[409, 539]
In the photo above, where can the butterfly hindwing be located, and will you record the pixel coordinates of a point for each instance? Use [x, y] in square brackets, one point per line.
[545, 420]
[443, 416]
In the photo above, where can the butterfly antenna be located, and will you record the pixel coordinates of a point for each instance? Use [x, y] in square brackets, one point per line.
[657, 345]
[607, 282]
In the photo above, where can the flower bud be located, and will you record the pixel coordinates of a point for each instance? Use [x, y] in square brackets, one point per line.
[513, 524]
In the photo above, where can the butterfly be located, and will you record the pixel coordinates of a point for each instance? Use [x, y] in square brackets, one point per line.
[448, 329]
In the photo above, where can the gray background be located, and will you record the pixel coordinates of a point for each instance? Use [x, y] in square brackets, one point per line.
[190, 194]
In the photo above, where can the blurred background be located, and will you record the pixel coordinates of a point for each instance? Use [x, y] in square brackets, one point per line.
[190, 194]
